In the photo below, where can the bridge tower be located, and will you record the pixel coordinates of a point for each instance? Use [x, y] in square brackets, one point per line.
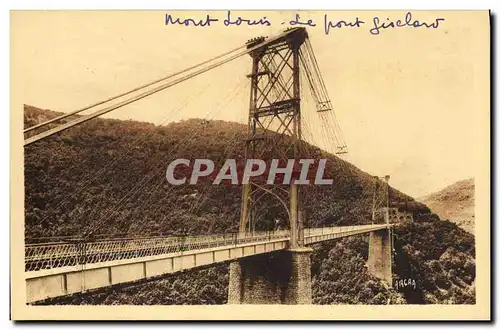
[380, 244]
[274, 131]
[380, 205]
[274, 105]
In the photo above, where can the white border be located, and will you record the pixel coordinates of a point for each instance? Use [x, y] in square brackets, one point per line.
[149, 4]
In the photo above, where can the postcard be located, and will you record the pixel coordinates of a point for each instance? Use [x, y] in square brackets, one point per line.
[199, 165]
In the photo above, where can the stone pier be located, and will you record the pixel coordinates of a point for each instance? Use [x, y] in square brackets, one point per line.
[380, 255]
[282, 277]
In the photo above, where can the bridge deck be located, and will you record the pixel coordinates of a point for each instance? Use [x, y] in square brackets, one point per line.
[59, 269]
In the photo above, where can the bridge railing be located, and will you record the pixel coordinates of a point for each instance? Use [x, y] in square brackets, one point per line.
[333, 229]
[54, 255]
[46, 256]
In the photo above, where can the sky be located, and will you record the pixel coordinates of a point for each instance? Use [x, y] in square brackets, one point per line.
[412, 102]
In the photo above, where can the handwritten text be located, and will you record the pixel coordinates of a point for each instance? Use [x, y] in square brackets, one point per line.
[374, 25]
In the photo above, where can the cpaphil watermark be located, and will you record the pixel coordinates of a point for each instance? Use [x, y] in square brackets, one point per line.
[298, 171]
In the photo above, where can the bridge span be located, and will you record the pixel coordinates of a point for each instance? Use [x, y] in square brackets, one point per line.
[265, 267]
[60, 269]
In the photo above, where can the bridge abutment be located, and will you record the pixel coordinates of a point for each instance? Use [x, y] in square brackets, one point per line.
[380, 255]
[282, 277]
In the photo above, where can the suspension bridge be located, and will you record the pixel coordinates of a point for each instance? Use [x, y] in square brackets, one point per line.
[266, 266]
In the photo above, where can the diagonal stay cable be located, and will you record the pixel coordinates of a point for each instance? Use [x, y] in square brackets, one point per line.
[152, 91]
[132, 90]
[141, 184]
[170, 190]
[92, 177]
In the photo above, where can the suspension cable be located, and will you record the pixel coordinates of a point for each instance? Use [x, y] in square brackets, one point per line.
[131, 91]
[152, 91]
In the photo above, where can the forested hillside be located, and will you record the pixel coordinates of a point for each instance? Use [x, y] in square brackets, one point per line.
[106, 178]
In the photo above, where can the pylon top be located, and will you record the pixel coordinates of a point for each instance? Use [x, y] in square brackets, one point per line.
[295, 36]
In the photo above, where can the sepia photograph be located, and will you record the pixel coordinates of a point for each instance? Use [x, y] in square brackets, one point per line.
[201, 164]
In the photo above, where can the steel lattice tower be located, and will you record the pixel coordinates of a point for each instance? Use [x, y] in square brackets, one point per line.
[380, 206]
[274, 103]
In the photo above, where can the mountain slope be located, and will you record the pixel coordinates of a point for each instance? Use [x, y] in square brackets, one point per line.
[91, 179]
[105, 178]
[455, 203]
